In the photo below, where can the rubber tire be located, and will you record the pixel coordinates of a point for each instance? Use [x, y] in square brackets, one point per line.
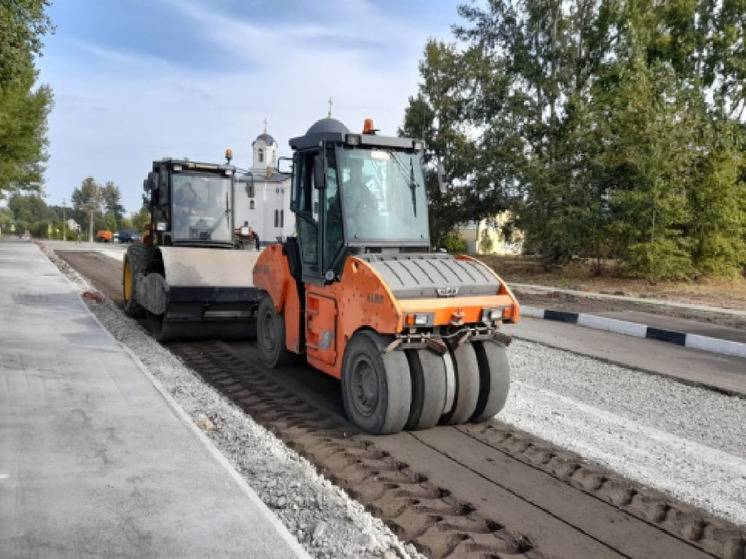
[138, 256]
[428, 373]
[494, 379]
[271, 344]
[467, 385]
[393, 384]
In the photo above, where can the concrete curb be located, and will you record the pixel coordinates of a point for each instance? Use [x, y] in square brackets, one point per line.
[693, 341]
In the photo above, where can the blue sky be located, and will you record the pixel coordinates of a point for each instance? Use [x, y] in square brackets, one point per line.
[137, 80]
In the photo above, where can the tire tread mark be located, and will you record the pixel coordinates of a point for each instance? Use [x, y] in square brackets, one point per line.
[712, 535]
[435, 522]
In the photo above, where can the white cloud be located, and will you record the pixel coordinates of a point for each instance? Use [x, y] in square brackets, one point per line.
[112, 122]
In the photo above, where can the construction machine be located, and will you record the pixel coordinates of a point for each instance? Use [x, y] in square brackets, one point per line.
[185, 276]
[412, 334]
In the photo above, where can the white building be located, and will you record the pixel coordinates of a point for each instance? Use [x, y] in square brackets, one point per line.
[268, 210]
[486, 236]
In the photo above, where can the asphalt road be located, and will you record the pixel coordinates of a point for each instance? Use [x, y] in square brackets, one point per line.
[688, 365]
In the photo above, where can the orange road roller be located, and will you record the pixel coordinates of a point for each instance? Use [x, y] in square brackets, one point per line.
[412, 334]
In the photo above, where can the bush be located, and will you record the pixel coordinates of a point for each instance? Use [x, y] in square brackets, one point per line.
[663, 259]
[454, 243]
[39, 229]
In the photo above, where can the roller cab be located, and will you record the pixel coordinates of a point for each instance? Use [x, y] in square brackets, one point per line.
[413, 335]
[187, 278]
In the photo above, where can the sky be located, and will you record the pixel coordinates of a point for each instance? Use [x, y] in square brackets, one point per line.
[138, 80]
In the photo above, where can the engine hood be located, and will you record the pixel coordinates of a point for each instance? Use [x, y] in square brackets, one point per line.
[432, 275]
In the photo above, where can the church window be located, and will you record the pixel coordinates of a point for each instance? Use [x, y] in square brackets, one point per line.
[251, 204]
[261, 155]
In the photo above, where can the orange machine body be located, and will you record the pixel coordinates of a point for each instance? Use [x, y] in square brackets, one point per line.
[361, 299]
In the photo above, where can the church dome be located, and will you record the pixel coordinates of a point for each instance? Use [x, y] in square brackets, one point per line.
[266, 138]
[326, 126]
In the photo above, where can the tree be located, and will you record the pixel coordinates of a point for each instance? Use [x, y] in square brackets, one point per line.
[87, 202]
[717, 200]
[534, 63]
[647, 162]
[23, 110]
[436, 115]
[27, 208]
[140, 219]
[111, 197]
[610, 128]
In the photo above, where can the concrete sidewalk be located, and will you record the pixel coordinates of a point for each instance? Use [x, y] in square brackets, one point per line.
[94, 460]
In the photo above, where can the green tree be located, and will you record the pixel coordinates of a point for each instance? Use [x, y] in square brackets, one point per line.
[112, 201]
[533, 65]
[87, 202]
[717, 203]
[27, 208]
[610, 128]
[437, 115]
[6, 218]
[140, 220]
[23, 109]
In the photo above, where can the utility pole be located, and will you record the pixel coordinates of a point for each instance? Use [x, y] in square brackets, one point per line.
[64, 220]
[90, 228]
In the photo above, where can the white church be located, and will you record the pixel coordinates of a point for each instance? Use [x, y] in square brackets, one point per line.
[267, 208]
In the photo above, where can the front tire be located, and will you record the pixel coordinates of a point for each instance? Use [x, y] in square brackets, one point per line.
[467, 385]
[376, 386]
[494, 379]
[429, 379]
[136, 261]
[270, 335]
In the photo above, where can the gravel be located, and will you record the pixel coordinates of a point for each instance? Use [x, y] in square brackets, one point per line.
[324, 519]
[683, 440]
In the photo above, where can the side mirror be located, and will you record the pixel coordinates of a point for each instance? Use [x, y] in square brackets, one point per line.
[285, 165]
[319, 176]
[151, 183]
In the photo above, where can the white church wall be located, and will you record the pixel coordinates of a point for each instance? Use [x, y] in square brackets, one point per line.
[270, 196]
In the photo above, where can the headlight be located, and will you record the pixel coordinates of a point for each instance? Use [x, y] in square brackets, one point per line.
[492, 314]
[419, 319]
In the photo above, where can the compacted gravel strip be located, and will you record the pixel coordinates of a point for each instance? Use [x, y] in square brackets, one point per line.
[684, 440]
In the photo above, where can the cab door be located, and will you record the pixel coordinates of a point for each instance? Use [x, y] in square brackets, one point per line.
[306, 206]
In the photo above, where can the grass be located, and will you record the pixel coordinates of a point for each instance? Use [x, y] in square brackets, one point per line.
[579, 275]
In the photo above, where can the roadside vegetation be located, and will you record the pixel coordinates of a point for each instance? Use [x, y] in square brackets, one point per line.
[611, 130]
[91, 203]
[579, 275]
[24, 103]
